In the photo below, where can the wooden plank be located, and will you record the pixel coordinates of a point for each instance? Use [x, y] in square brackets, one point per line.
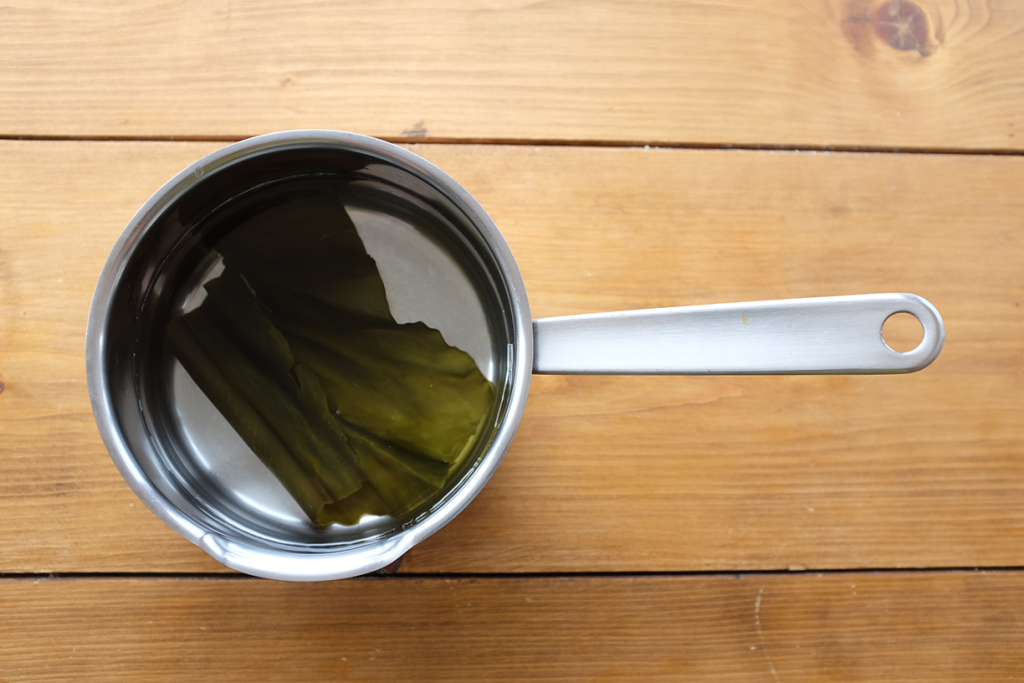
[849, 627]
[891, 73]
[607, 473]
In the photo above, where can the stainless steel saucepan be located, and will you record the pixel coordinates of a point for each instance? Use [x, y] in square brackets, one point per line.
[443, 260]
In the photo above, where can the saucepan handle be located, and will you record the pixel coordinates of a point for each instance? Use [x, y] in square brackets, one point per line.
[828, 335]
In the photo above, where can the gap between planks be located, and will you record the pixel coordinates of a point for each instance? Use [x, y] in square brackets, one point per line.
[528, 142]
[503, 576]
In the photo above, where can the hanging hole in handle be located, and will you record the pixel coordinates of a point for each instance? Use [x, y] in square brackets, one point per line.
[902, 332]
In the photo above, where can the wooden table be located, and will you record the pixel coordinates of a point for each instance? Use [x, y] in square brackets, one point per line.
[635, 154]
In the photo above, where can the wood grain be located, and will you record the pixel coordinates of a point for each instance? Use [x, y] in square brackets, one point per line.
[848, 627]
[889, 73]
[606, 474]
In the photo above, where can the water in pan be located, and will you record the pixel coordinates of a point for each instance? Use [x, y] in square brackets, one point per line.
[426, 279]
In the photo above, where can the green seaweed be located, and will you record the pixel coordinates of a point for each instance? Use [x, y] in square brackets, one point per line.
[295, 345]
[310, 443]
[308, 492]
[308, 248]
[433, 472]
[350, 510]
[405, 385]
